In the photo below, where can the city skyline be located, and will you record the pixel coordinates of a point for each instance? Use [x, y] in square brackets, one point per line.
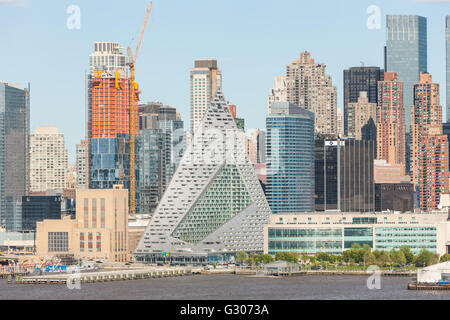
[168, 52]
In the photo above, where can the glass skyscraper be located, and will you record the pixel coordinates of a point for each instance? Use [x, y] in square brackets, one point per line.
[344, 175]
[357, 79]
[162, 144]
[406, 54]
[14, 145]
[290, 158]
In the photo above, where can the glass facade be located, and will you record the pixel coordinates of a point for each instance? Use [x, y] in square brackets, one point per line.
[359, 236]
[38, 208]
[307, 241]
[356, 170]
[162, 144]
[335, 240]
[155, 167]
[406, 53]
[394, 196]
[357, 79]
[417, 238]
[326, 175]
[344, 175]
[290, 158]
[14, 145]
[110, 163]
[225, 196]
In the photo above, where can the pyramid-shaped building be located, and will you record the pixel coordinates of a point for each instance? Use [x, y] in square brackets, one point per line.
[214, 205]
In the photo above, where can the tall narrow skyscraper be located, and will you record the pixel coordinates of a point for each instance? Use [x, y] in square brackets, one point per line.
[429, 146]
[290, 158]
[14, 154]
[406, 54]
[357, 79]
[390, 121]
[162, 144]
[206, 78]
[82, 164]
[309, 87]
[447, 55]
[108, 127]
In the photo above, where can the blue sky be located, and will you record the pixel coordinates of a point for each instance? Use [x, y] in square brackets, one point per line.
[253, 41]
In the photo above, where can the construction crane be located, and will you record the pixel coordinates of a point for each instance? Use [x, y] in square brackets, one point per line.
[134, 98]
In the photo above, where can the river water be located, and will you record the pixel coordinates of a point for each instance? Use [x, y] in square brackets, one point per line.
[236, 287]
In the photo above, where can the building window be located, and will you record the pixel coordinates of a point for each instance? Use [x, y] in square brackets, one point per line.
[99, 242]
[94, 213]
[58, 241]
[90, 241]
[102, 213]
[82, 241]
[86, 213]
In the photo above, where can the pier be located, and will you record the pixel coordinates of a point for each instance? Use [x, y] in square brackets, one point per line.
[106, 276]
[428, 286]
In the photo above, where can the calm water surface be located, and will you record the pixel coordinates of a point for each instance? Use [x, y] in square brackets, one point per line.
[201, 287]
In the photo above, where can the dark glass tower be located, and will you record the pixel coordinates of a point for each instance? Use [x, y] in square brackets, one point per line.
[38, 208]
[14, 155]
[344, 175]
[357, 79]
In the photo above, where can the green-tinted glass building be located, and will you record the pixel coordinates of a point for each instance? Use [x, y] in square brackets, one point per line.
[334, 232]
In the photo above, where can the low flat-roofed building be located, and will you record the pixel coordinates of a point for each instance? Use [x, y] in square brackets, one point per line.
[99, 231]
[16, 241]
[281, 268]
[434, 273]
[334, 232]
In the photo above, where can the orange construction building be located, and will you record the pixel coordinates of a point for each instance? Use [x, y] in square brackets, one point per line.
[110, 100]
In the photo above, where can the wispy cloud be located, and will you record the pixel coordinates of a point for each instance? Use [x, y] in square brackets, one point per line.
[18, 3]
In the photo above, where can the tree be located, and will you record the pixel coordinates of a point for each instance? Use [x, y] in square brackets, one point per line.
[287, 256]
[323, 256]
[409, 256]
[267, 258]
[369, 258]
[445, 257]
[398, 257]
[383, 259]
[426, 258]
[241, 256]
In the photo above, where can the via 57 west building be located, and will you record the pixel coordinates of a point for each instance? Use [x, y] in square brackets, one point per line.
[214, 205]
